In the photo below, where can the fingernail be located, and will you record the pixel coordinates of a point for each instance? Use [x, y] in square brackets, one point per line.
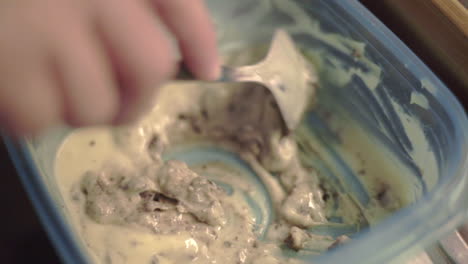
[131, 112]
[213, 70]
[129, 116]
[215, 73]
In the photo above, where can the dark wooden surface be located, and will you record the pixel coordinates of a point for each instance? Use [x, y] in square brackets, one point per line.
[431, 36]
[22, 239]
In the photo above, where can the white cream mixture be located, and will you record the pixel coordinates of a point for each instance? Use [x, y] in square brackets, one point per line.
[130, 205]
[114, 177]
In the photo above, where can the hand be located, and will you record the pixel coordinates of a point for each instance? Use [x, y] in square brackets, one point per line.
[93, 62]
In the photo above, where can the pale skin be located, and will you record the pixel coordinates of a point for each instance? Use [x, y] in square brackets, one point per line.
[92, 62]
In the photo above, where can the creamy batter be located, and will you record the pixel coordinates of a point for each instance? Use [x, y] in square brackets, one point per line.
[127, 183]
[132, 205]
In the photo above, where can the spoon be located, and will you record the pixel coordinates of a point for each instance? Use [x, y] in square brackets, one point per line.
[284, 71]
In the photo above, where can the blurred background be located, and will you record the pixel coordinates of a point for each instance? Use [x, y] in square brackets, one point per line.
[436, 30]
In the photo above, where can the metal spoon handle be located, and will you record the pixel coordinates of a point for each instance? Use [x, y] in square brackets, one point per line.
[228, 74]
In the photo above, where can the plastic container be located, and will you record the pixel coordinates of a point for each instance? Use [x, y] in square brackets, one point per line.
[368, 77]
